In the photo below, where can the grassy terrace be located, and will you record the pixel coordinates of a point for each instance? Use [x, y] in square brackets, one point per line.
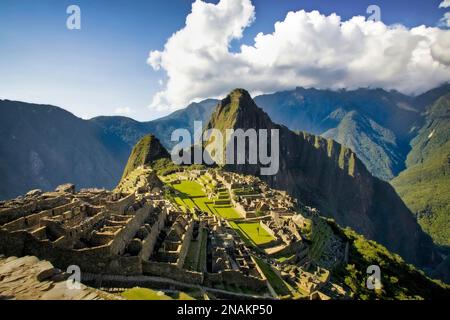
[193, 197]
[278, 284]
[252, 233]
[138, 293]
[284, 258]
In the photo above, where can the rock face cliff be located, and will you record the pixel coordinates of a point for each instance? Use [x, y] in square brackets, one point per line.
[324, 174]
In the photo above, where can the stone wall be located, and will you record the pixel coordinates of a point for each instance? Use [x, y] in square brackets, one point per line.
[121, 205]
[31, 206]
[171, 271]
[94, 260]
[235, 278]
[149, 243]
[70, 235]
[187, 237]
[121, 240]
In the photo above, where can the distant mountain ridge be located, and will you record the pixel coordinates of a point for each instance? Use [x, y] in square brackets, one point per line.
[42, 146]
[391, 118]
[361, 119]
[130, 131]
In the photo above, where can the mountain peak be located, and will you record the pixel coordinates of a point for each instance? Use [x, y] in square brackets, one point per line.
[145, 152]
[238, 111]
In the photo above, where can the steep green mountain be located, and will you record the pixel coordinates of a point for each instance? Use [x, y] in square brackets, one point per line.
[43, 146]
[375, 123]
[326, 175]
[145, 152]
[425, 184]
[399, 280]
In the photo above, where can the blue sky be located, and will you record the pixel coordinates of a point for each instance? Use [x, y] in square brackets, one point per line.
[102, 69]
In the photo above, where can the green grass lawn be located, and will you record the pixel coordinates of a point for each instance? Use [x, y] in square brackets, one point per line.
[149, 294]
[144, 294]
[179, 201]
[275, 281]
[227, 212]
[189, 203]
[284, 258]
[184, 296]
[253, 232]
[191, 188]
[204, 204]
[194, 197]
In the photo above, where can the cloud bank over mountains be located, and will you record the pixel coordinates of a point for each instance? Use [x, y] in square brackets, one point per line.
[306, 49]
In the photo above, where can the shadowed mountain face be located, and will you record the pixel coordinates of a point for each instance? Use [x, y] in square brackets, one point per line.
[43, 146]
[324, 174]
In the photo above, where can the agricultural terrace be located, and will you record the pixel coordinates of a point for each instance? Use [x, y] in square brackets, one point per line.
[191, 196]
[277, 284]
[252, 233]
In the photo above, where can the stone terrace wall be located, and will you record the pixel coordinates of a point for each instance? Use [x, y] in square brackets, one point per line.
[171, 271]
[34, 205]
[187, 237]
[94, 260]
[149, 243]
[236, 278]
[121, 205]
[121, 240]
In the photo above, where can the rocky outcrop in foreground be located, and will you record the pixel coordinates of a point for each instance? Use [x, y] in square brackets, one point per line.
[29, 278]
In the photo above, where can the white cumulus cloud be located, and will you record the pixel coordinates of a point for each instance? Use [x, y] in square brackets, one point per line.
[444, 4]
[445, 20]
[305, 49]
